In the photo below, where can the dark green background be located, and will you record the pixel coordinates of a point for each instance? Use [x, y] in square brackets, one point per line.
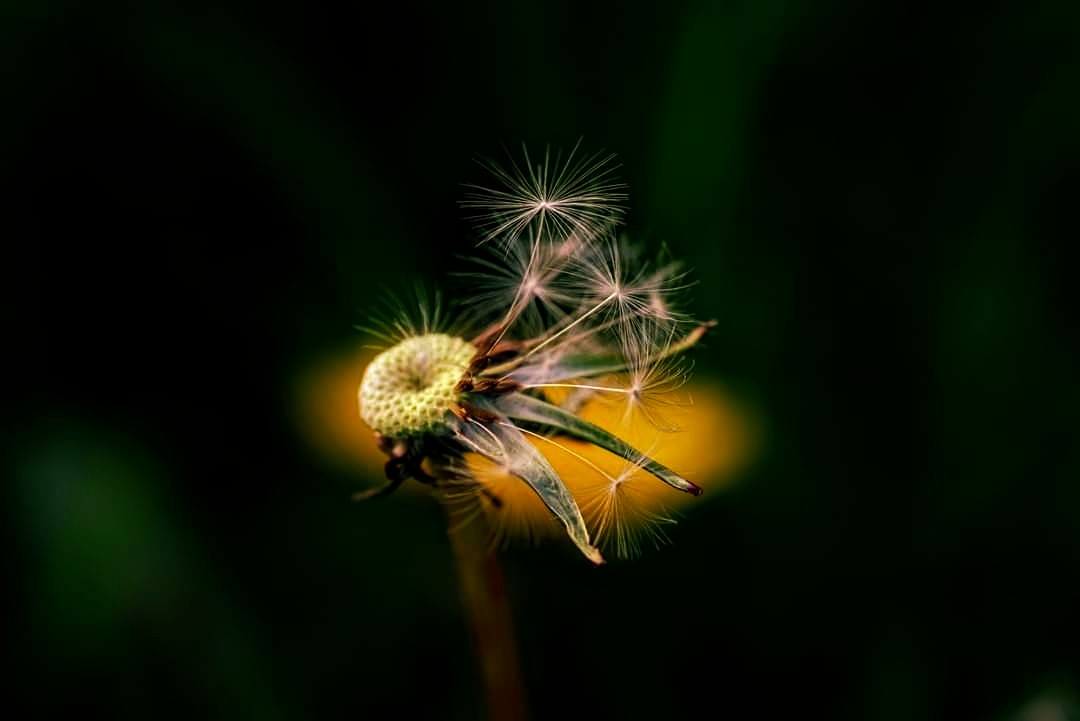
[879, 201]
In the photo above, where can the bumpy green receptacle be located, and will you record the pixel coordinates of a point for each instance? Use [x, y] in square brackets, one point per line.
[409, 389]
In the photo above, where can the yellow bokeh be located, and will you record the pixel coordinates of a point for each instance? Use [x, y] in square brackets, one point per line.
[327, 412]
[715, 440]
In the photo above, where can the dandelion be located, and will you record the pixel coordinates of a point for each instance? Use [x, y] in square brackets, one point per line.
[562, 312]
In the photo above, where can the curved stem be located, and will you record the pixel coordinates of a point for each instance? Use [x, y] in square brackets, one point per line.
[484, 596]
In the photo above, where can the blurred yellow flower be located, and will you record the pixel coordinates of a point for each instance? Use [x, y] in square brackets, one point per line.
[716, 438]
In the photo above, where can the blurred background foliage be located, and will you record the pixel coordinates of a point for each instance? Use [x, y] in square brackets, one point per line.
[878, 201]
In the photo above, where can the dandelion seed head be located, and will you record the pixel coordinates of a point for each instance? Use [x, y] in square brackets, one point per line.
[565, 314]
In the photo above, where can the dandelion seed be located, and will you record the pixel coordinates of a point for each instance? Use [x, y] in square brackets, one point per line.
[564, 315]
[575, 197]
[617, 506]
[475, 486]
[526, 279]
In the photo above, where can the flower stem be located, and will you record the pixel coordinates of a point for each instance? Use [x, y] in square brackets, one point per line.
[484, 596]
